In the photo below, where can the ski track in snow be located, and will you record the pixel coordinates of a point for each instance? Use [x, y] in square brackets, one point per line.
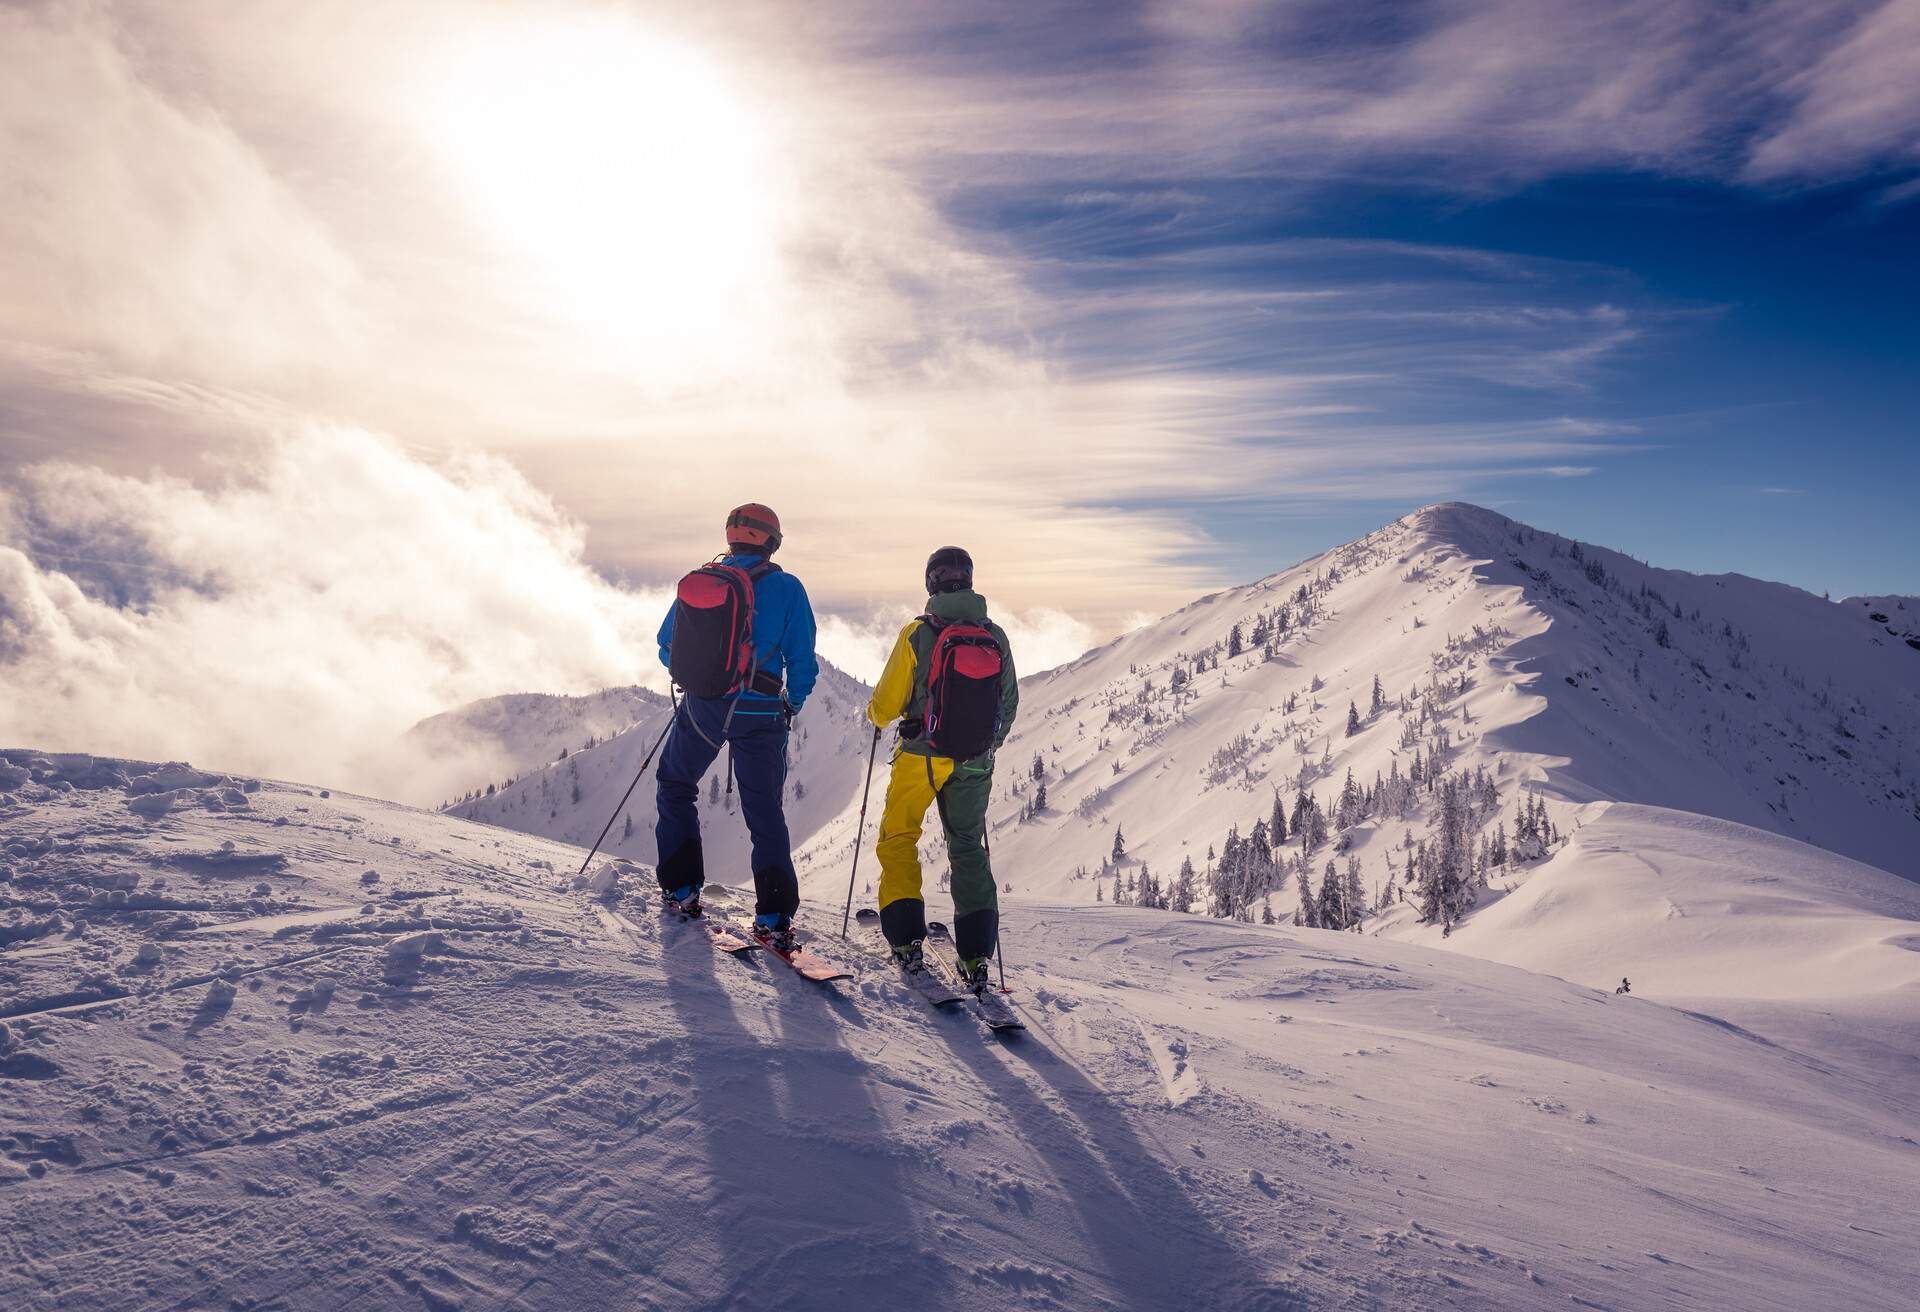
[401, 1061]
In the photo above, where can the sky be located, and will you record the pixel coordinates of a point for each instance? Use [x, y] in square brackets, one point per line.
[359, 360]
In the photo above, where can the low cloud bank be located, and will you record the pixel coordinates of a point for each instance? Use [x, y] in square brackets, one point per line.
[296, 617]
[328, 591]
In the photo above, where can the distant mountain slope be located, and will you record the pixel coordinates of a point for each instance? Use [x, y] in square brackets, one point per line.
[1899, 617]
[1549, 664]
[498, 737]
[571, 799]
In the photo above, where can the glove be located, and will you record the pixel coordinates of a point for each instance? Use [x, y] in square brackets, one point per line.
[910, 729]
[790, 711]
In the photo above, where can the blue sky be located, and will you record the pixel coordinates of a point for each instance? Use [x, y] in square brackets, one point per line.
[1739, 292]
[1768, 412]
[417, 347]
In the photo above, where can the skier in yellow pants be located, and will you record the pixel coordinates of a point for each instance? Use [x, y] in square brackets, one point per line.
[951, 677]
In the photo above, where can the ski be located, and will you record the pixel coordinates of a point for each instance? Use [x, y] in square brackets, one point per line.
[994, 1008]
[924, 983]
[811, 965]
[724, 937]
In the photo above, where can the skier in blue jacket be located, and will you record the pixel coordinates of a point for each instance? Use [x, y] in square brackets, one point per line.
[755, 722]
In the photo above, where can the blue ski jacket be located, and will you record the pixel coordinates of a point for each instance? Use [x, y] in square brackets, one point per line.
[783, 635]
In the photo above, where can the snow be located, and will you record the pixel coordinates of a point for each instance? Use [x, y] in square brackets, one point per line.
[571, 799]
[498, 738]
[472, 1085]
[1770, 707]
[264, 1044]
[1690, 906]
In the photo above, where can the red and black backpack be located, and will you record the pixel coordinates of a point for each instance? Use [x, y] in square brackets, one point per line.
[963, 689]
[711, 652]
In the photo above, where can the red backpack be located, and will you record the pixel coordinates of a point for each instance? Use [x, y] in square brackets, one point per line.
[963, 689]
[711, 652]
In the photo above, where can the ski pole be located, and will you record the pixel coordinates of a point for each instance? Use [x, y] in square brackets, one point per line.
[629, 793]
[860, 833]
[999, 939]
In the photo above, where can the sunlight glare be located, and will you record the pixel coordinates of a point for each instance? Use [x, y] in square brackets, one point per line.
[632, 177]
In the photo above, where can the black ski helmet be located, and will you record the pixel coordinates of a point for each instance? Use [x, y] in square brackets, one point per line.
[949, 569]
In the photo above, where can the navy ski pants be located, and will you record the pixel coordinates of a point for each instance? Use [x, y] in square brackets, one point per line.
[758, 734]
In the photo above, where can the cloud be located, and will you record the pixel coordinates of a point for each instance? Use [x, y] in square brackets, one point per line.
[1478, 95]
[256, 219]
[1571, 471]
[1042, 638]
[144, 229]
[1855, 106]
[296, 616]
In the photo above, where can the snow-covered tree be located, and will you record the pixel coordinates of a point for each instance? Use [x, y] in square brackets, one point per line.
[1309, 914]
[1183, 892]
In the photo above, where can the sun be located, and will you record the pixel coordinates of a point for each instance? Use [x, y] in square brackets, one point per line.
[634, 181]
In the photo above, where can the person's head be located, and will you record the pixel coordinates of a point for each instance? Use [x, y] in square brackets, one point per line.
[949, 569]
[753, 530]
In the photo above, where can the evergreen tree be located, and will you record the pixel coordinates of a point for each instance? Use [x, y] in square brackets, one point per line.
[1119, 844]
[1353, 719]
[1309, 904]
[1234, 644]
[1333, 912]
[1040, 797]
[1183, 887]
[1277, 822]
[1348, 811]
[1353, 893]
[1379, 701]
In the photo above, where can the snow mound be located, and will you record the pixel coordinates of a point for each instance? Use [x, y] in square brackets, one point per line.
[1691, 906]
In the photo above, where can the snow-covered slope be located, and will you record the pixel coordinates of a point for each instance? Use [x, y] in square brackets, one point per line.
[497, 738]
[1898, 617]
[1689, 906]
[265, 1047]
[571, 799]
[1552, 665]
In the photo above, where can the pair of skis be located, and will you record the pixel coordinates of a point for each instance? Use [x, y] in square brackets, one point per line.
[737, 943]
[939, 984]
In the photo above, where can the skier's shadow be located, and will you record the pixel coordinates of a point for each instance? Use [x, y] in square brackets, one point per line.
[803, 1210]
[1156, 1247]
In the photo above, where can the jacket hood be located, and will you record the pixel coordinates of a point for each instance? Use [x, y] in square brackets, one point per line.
[965, 604]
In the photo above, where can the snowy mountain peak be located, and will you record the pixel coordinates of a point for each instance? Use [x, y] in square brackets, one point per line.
[1457, 523]
[1459, 644]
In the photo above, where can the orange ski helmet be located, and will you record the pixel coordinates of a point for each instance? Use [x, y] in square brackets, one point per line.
[753, 528]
